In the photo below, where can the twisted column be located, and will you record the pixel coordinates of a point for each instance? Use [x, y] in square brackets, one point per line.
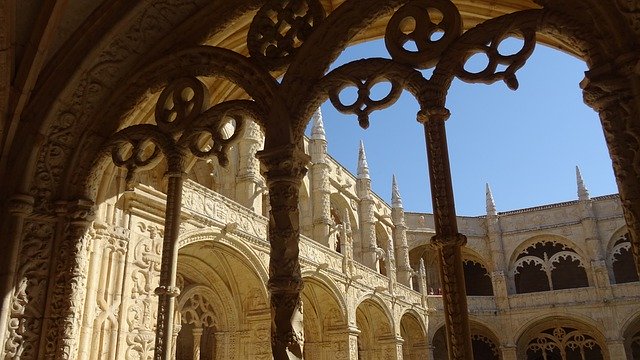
[614, 92]
[167, 289]
[285, 168]
[447, 239]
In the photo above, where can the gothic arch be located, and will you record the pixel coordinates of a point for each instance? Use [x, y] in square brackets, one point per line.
[486, 345]
[377, 333]
[620, 260]
[228, 242]
[329, 285]
[477, 274]
[380, 303]
[419, 319]
[630, 332]
[548, 262]
[561, 335]
[413, 334]
[328, 317]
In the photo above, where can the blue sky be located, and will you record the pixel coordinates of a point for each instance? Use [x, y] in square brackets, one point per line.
[524, 143]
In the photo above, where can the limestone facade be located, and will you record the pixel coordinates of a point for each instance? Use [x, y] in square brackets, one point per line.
[112, 111]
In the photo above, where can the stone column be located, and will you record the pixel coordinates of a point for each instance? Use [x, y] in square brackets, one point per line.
[430, 351]
[617, 350]
[19, 207]
[400, 235]
[320, 187]
[167, 289]
[95, 251]
[249, 183]
[197, 339]
[509, 352]
[174, 342]
[67, 296]
[346, 245]
[285, 168]
[352, 334]
[613, 91]
[365, 210]
[447, 239]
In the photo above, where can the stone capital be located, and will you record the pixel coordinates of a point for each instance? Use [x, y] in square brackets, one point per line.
[449, 240]
[21, 204]
[287, 163]
[433, 114]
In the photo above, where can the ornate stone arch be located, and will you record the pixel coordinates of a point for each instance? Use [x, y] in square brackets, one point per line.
[197, 305]
[228, 241]
[328, 322]
[378, 301]
[376, 325]
[619, 258]
[329, 284]
[419, 318]
[486, 345]
[559, 335]
[536, 259]
[412, 331]
[477, 273]
[630, 332]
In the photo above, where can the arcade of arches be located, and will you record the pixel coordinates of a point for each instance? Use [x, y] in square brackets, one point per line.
[159, 199]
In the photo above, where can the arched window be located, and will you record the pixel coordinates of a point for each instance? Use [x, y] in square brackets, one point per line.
[196, 336]
[563, 343]
[477, 279]
[621, 260]
[484, 347]
[548, 265]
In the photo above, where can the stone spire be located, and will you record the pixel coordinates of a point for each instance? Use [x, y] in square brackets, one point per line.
[583, 193]
[396, 200]
[363, 167]
[491, 204]
[317, 129]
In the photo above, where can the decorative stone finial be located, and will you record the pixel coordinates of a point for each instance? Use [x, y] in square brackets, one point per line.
[396, 200]
[363, 167]
[317, 130]
[422, 270]
[583, 193]
[491, 204]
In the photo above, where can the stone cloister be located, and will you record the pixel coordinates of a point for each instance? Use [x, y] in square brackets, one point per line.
[160, 199]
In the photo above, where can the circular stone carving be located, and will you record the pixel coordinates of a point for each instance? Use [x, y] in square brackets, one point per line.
[179, 103]
[431, 25]
[279, 29]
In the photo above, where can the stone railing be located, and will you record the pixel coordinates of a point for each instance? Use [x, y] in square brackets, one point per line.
[316, 255]
[210, 207]
[543, 299]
